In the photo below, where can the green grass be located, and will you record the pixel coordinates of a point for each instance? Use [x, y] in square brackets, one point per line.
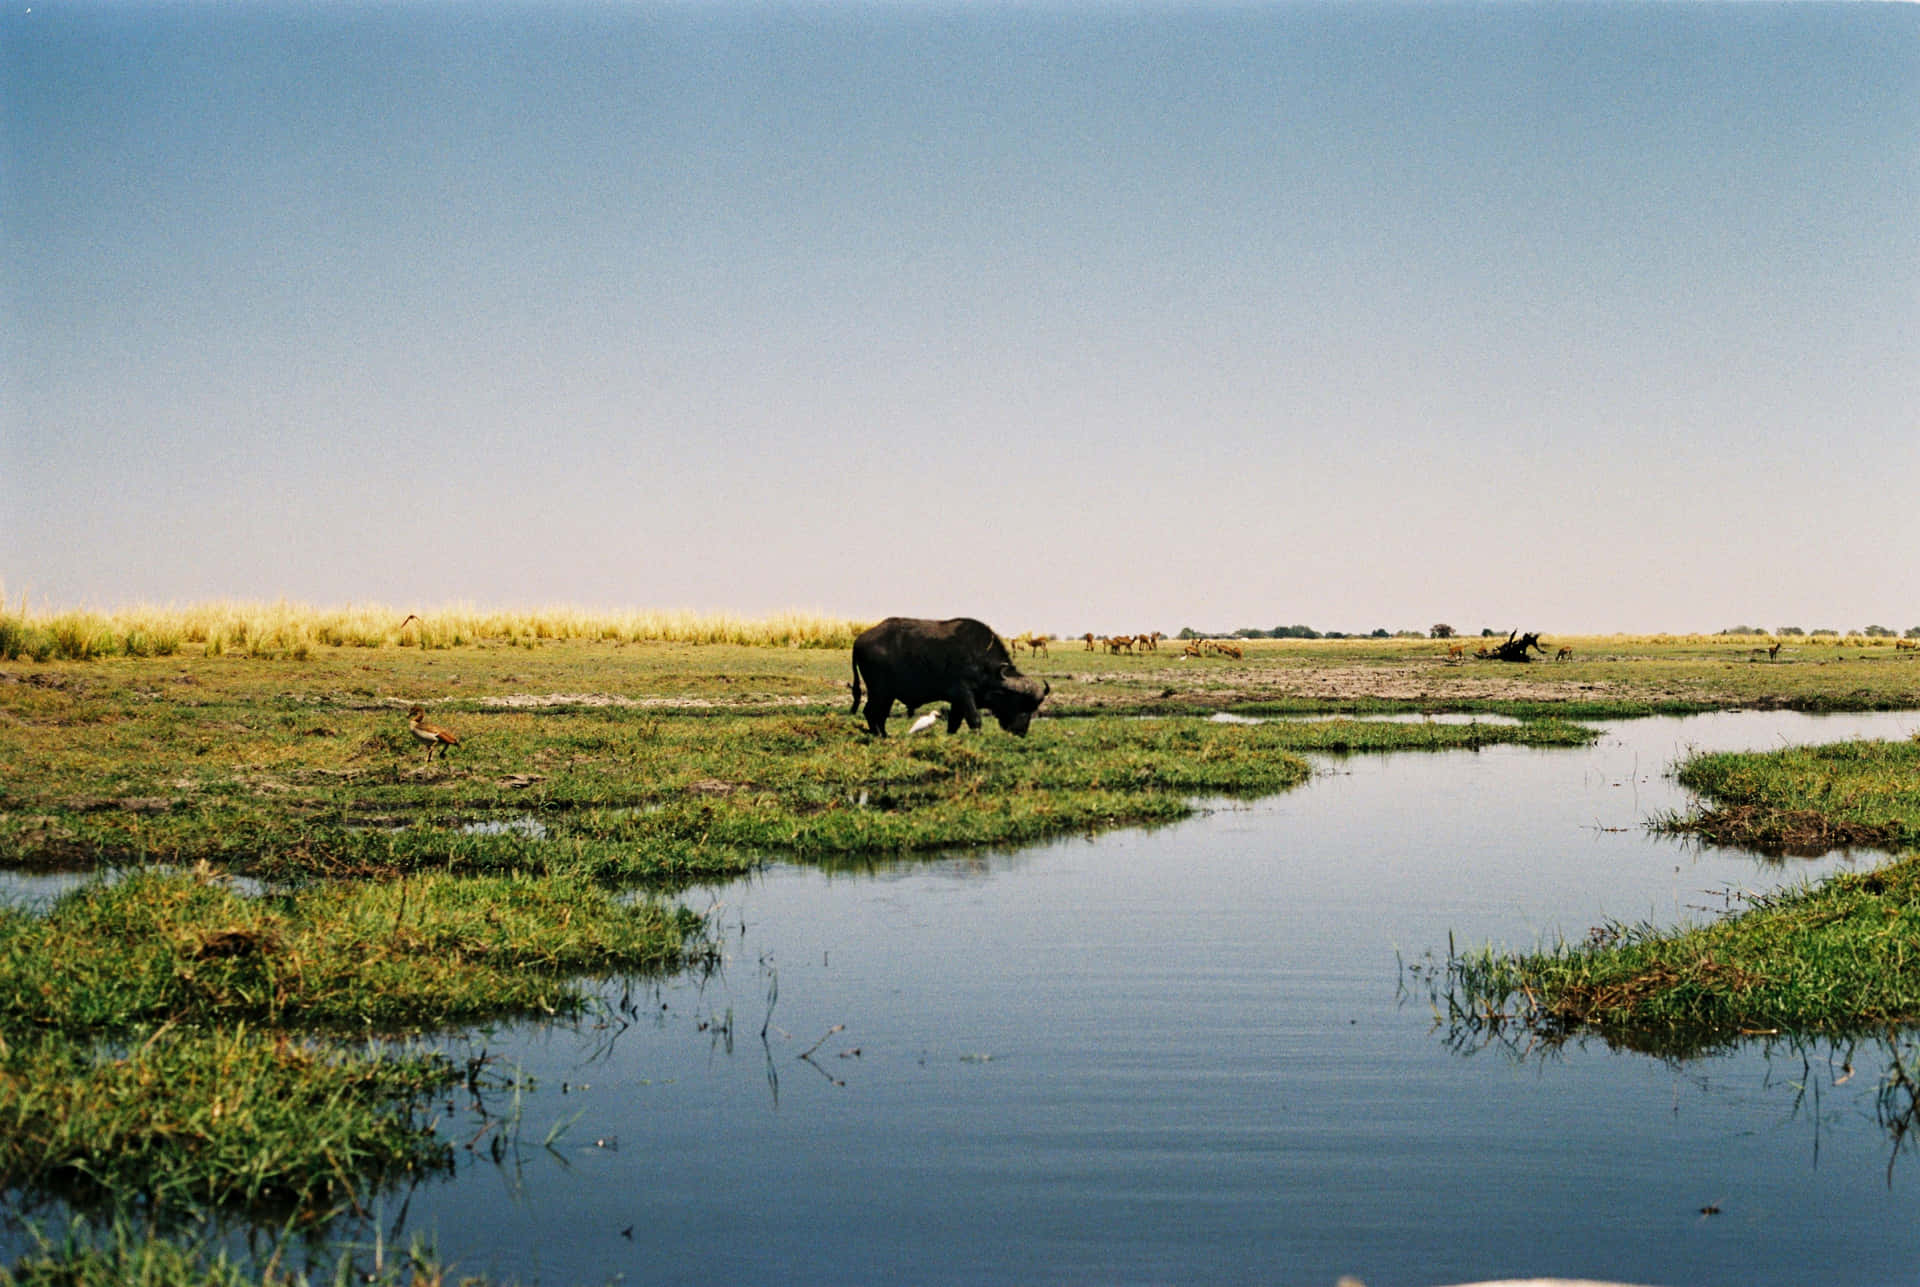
[1839, 958]
[121, 1254]
[237, 1117]
[417, 952]
[146, 1026]
[201, 764]
[1807, 798]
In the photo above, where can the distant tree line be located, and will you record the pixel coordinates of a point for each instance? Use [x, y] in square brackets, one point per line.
[1441, 630]
[1870, 632]
[1296, 632]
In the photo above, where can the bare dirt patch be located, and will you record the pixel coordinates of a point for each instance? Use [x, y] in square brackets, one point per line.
[1399, 683]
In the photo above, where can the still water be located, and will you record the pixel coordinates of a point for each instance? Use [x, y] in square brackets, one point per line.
[1186, 1055]
[1193, 1055]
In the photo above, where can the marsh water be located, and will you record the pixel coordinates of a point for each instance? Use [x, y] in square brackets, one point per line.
[1194, 1054]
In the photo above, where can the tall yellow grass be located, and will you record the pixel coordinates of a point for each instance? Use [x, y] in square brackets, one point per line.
[286, 629]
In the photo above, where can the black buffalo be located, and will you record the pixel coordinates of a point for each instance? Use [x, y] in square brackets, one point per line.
[961, 662]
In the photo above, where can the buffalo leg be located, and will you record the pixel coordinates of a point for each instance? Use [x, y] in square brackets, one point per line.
[879, 706]
[963, 709]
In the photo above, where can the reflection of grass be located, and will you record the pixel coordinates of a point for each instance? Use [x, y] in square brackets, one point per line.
[1842, 957]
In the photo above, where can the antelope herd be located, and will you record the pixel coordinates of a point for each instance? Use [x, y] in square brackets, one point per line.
[1131, 645]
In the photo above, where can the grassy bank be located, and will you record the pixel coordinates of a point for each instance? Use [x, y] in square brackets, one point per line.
[406, 954]
[148, 1027]
[1840, 958]
[1807, 799]
[801, 658]
[660, 765]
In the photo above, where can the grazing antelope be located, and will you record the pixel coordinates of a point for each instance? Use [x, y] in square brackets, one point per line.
[1120, 643]
[1232, 650]
[1900, 644]
[430, 735]
[1456, 652]
[1089, 637]
[1565, 654]
[1194, 648]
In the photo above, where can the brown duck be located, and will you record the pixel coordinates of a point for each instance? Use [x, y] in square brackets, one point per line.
[430, 735]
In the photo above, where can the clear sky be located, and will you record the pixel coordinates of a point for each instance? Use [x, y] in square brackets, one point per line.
[1070, 316]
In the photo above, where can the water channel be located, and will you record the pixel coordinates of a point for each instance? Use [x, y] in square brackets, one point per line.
[1193, 1055]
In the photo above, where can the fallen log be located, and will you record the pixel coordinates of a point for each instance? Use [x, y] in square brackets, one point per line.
[1515, 648]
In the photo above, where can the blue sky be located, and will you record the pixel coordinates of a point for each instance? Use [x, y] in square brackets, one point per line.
[1068, 316]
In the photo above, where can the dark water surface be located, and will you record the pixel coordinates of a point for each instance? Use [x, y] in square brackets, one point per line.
[1186, 1055]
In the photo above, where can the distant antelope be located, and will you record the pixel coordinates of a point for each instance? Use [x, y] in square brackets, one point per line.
[1904, 644]
[1565, 654]
[1774, 651]
[429, 735]
[1457, 651]
[1120, 643]
[1089, 636]
[1232, 650]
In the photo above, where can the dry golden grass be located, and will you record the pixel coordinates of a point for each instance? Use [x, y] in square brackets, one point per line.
[287, 629]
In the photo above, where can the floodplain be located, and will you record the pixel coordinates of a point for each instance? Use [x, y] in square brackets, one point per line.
[243, 882]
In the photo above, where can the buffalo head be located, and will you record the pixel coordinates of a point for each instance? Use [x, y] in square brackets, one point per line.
[1014, 700]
